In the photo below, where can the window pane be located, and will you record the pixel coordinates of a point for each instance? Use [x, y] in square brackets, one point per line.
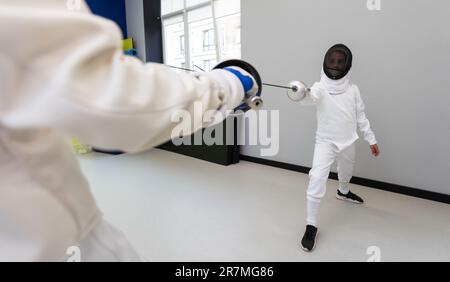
[174, 42]
[228, 19]
[182, 44]
[209, 40]
[169, 6]
[202, 38]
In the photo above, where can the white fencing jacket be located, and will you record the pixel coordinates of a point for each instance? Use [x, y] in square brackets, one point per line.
[63, 74]
[340, 112]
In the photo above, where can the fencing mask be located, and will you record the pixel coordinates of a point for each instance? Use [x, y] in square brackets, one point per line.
[338, 62]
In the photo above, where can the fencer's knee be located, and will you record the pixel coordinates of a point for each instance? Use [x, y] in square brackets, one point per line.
[319, 173]
[313, 199]
[317, 188]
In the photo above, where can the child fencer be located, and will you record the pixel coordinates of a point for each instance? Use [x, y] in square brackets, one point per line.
[340, 111]
[63, 73]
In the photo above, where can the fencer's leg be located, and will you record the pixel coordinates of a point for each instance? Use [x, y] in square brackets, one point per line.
[346, 163]
[107, 244]
[324, 157]
[345, 166]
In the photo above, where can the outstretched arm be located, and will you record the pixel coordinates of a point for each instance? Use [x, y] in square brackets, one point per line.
[67, 71]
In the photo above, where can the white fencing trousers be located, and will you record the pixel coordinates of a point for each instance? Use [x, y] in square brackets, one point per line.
[107, 244]
[325, 154]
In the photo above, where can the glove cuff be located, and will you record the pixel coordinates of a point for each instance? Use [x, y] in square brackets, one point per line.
[230, 86]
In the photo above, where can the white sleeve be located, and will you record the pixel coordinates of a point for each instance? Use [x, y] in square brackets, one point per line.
[313, 97]
[363, 122]
[66, 70]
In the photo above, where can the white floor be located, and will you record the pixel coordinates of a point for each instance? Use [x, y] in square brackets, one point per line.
[175, 208]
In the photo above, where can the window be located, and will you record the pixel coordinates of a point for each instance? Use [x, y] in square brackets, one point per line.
[200, 33]
[209, 40]
[209, 64]
[182, 44]
[174, 36]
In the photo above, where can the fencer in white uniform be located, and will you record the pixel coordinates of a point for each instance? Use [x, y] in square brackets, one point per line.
[340, 112]
[63, 74]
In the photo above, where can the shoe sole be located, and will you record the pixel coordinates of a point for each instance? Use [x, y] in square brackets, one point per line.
[348, 200]
[314, 246]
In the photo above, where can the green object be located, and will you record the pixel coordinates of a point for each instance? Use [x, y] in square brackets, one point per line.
[128, 44]
[81, 149]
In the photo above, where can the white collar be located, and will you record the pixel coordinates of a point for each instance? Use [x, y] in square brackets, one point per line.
[335, 87]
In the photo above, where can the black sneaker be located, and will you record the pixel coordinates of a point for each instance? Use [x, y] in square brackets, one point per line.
[350, 197]
[309, 239]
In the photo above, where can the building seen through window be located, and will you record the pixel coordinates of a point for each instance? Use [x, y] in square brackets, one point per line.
[200, 33]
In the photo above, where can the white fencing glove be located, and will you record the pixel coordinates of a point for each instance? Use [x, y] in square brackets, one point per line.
[237, 85]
